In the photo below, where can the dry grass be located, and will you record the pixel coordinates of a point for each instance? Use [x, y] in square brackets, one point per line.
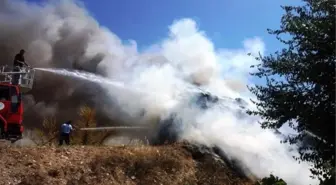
[84, 163]
[87, 118]
[48, 133]
[145, 165]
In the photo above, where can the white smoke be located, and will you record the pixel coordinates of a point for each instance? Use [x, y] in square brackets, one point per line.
[189, 56]
[63, 34]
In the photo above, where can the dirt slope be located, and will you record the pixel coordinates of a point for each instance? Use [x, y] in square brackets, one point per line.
[143, 165]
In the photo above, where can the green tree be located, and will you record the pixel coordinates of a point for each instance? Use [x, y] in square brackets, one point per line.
[271, 180]
[300, 82]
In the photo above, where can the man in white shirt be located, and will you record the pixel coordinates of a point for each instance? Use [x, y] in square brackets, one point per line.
[66, 129]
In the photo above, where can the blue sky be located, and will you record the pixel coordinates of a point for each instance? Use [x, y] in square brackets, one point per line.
[226, 22]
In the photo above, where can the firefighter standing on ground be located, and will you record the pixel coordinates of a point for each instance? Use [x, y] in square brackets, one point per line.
[19, 61]
[66, 129]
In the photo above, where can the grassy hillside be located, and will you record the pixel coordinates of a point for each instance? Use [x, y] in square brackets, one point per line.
[124, 165]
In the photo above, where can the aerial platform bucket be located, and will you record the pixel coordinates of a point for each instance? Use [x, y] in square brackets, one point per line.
[25, 79]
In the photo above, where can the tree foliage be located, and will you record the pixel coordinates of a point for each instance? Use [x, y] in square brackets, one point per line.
[300, 81]
[271, 180]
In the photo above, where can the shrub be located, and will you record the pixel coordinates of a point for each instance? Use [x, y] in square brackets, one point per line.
[271, 180]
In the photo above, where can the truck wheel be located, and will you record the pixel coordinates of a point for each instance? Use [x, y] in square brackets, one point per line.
[14, 140]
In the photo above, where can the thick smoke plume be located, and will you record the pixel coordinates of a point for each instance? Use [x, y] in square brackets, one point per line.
[55, 34]
[62, 34]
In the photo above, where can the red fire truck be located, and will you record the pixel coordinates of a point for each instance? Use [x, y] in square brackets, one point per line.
[11, 106]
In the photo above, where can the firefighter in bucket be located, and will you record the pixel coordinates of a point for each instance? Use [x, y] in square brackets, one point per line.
[19, 63]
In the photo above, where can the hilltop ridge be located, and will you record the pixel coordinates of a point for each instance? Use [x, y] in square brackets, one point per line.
[177, 164]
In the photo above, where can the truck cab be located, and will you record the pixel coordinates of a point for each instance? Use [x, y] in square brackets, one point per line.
[11, 105]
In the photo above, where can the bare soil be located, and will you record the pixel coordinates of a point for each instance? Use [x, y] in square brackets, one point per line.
[115, 165]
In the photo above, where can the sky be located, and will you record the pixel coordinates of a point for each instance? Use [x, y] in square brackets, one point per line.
[226, 22]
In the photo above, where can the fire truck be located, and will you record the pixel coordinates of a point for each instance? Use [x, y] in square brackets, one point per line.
[11, 105]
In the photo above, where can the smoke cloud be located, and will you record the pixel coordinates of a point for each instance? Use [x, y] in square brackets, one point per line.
[62, 34]
[58, 34]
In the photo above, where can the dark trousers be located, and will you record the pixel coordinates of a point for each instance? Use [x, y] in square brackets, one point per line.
[64, 137]
[16, 77]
